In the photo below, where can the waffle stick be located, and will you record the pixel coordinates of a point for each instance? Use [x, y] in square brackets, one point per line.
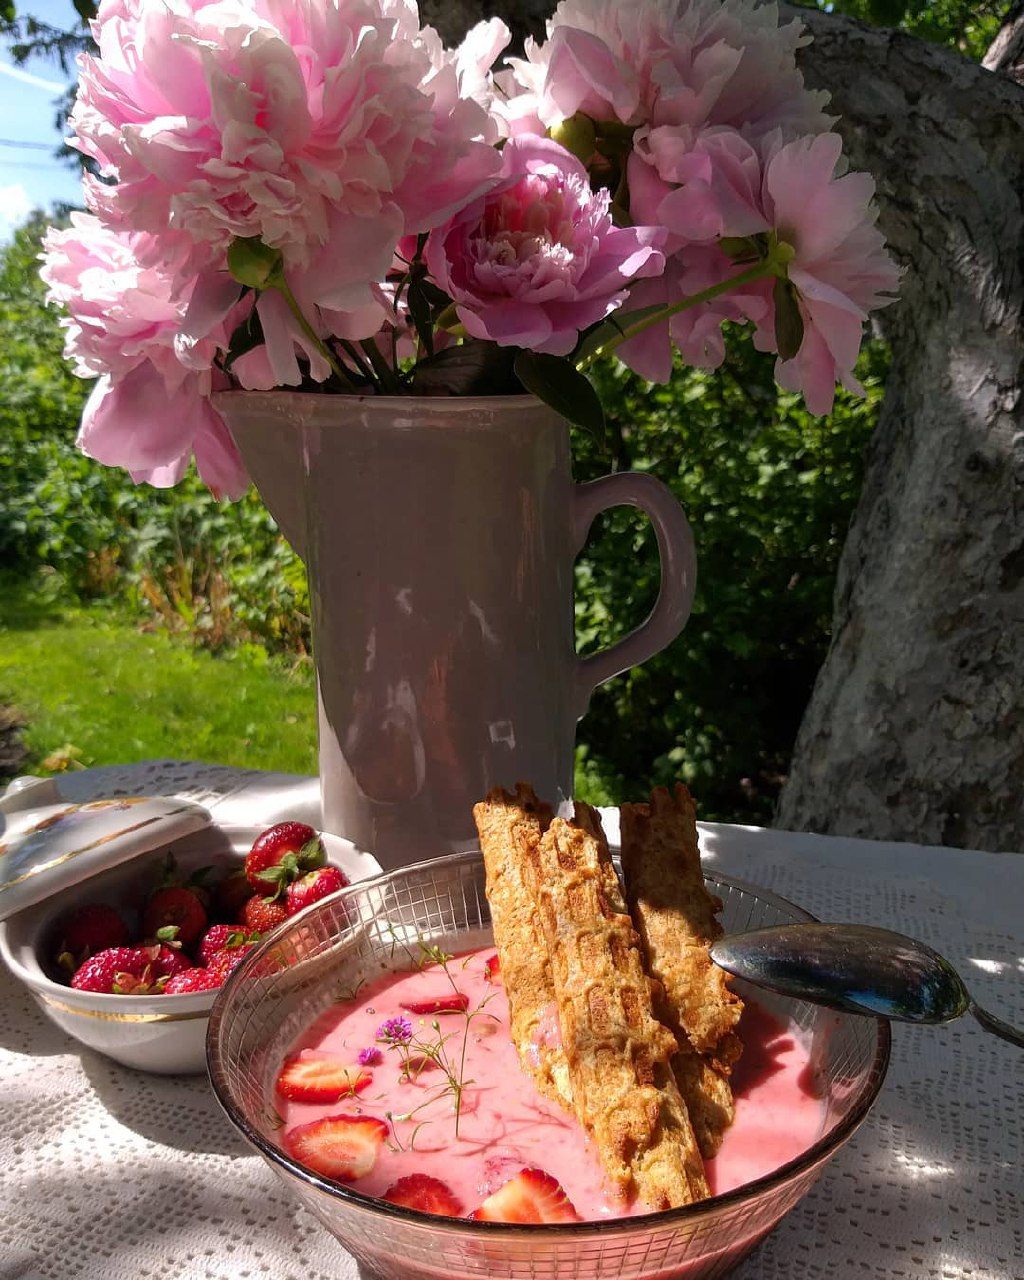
[510, 826]
[675, 917]
[623, 1090]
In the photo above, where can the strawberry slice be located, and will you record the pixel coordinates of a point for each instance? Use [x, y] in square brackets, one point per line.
[531, 1196]
[456, 1002]
[429, 1195]
[320, 1078]
[492, 970]
[340, 1147]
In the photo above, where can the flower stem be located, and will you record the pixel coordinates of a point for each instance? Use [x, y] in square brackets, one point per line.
[282, 286]
[759, 271]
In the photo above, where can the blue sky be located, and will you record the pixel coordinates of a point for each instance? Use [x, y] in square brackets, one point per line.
[32, 178]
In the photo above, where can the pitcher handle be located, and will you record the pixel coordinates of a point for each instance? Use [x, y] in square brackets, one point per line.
[678, 572]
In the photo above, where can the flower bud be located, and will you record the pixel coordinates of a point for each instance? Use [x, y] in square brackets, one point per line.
[577, 135]
[253, 263]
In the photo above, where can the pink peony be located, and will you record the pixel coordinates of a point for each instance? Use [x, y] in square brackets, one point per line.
[696, 332]
[149, 412]
[325, 129]
[689, 63]
[840, 269]
[538, 258]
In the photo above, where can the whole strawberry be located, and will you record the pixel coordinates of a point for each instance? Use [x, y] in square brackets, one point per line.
[228, 960]
[167, 961]
[220, 937]
[260, 915]
[175, 906]
[280, 855]
[312, 887]
[86, 930]
[191, 981]
[231, 895]
[120, 971]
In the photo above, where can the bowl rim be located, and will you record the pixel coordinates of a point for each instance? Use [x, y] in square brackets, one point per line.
[816, 1154]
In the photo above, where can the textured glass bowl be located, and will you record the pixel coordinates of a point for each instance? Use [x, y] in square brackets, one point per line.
[285, 984]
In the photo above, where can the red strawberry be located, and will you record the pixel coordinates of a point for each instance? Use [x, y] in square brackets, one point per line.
[314, 886]
[492, 970]
[219, 937]
[260, 915]
[228, 960]
[341, 1147]
[231, 895]
[455, 1002]
[168, 961]
[531, 1196]
[190, 981]
[116, 971]
[86, 930]
[175, 906]
[280, 855]
[429, 1195]
[320, 1078]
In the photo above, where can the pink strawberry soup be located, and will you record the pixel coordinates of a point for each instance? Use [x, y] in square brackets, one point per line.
[504, 1123]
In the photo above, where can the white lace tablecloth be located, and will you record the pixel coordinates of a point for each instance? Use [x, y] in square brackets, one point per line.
[108, 1174]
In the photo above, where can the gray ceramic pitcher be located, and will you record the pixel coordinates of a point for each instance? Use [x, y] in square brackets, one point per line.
[440, 536]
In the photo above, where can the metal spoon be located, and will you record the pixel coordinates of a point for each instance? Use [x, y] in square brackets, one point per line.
[858, 969]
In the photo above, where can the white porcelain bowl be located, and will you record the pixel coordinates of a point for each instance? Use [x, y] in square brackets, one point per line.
[164, 1034]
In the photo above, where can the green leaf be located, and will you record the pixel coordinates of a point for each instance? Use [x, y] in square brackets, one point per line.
[789, 321]
[312, 855]
[470, 369]
[557, 381]
[887, 13]
[7, 11]
[419, 309]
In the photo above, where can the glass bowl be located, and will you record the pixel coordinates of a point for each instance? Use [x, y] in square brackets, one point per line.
[282, 986]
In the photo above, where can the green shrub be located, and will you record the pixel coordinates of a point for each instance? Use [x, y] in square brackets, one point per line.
[769, 491]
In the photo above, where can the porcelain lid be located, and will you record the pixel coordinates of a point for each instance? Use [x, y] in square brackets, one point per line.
[46, 849]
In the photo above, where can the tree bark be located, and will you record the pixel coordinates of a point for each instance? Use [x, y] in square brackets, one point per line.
[1006, 53]
[915, 729]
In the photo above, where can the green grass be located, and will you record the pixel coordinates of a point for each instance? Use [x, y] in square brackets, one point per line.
[91, 680]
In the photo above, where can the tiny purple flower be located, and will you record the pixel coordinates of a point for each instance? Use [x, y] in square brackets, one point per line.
[395, 1031]
[370, 1057]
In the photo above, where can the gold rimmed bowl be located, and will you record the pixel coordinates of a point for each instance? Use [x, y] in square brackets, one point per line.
[165, 1034]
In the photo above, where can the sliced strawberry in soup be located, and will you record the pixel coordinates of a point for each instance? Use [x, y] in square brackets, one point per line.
[320, 1078]
[492, 970]
[340, 1147]
[531, 1196]
[453, 1002]
[429, 1195]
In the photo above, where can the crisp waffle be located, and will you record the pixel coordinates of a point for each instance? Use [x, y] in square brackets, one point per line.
[675, 917]
[510, 828]
[623, 1089]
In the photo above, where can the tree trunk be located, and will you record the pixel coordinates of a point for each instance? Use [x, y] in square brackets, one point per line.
[915, 729]
[1006, 53]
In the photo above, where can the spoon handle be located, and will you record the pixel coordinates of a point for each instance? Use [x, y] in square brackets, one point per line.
[997, 1026]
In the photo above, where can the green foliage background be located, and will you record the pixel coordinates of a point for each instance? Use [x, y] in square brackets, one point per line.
[769, 491]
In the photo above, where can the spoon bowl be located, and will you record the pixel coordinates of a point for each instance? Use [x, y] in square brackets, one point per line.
[857, 969]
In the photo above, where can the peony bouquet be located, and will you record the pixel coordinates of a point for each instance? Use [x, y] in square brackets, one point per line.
[317, 194]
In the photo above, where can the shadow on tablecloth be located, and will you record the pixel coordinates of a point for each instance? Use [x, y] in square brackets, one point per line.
[172, 1111]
